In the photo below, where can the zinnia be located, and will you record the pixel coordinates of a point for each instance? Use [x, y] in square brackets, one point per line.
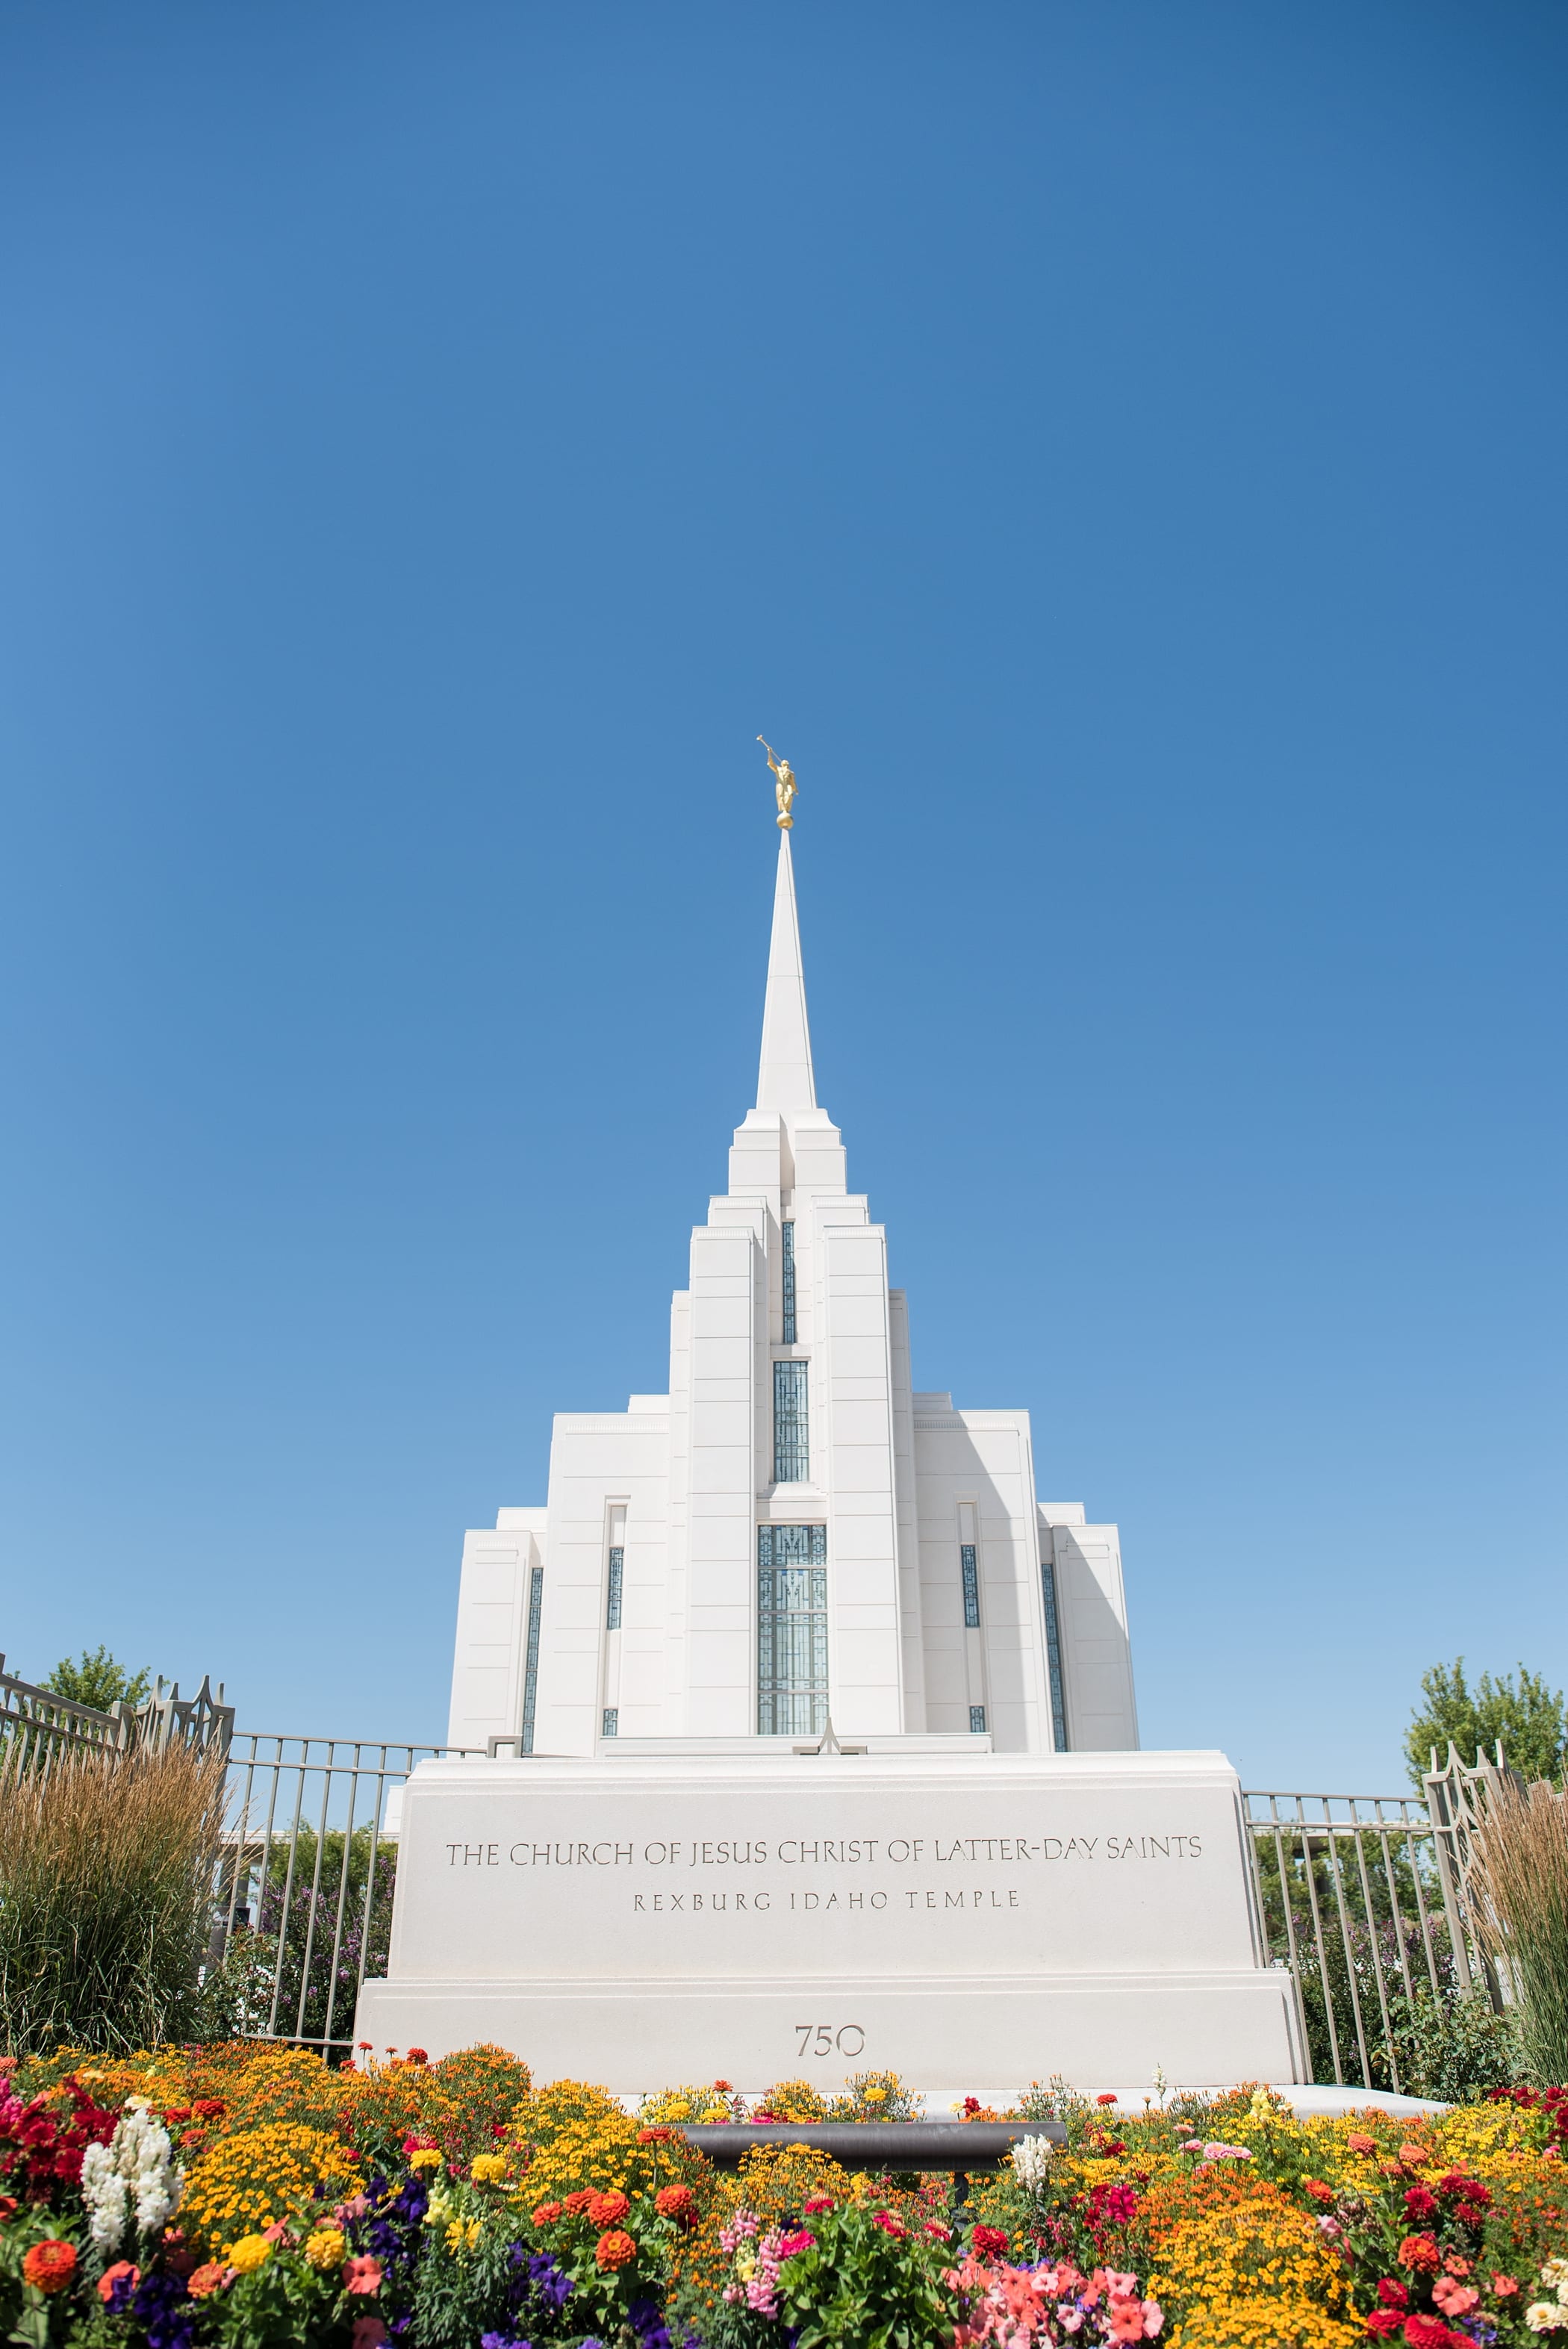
[991, 2242]
[547, 2213]
[249, 2253]
[208, 2278]
[1419, 2252]
[49, 2267]
[606, 2208]
[615, 2250]
[675, 2202]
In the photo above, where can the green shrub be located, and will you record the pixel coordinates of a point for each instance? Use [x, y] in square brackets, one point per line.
[105, 1871]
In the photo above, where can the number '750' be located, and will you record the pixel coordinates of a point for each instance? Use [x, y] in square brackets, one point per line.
[821, 2039]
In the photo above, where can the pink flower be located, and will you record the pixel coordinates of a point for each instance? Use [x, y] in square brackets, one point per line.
[362, 2274]
[890, 2224]
[789, 2244]
[1455, 2299]
[368, 2333]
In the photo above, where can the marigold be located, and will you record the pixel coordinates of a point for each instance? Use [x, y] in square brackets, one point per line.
[615, 2250]
[249, 2179]
[50, 2266]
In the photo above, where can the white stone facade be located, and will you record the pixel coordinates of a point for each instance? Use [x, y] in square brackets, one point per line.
[631, 1605]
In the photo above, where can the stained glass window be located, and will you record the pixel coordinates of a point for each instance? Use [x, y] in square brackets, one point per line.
[1054, 1656]
[791, 1442]
[791, 1630]
[531, 1655]
[788, 1284]
[971, 1572]
[613, 1604]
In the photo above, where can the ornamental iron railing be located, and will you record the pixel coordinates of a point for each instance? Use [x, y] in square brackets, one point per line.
[38, 1730]
[1362, 1899]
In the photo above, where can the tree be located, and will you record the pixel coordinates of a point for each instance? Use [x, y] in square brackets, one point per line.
[1527, 1715]
[97, 1680]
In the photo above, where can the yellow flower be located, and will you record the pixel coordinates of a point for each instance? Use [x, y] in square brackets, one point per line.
[324, 2248]
[876, 2096]
[425, 2158]
[249, 2253]
[679, 2111]
[487, 2169]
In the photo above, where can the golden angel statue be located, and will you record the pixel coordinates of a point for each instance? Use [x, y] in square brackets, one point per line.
[784, 790]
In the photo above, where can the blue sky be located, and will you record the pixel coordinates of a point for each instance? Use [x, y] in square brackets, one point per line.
[1117, 451]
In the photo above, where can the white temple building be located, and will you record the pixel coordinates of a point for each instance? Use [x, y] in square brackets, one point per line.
[791, 1536]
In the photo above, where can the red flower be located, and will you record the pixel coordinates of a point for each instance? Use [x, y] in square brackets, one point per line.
[1431, 2332]
[370, 2332]
[654, 2135]
[935, 2227]
[1384, 2323]
[1419, 2252]
[971, 2106]
[818, 2202]
[209, 2108]
[578, 2201]
[1472, 2188]
[1106, 2096]
[1420, 2204]
[676, 2202]
[890, 2224]
[50, 2266]
[1359, 2143]
[1317, 2189]
[724, 2087]
[616, 2250]
[177, 2113]
[763, 2119]
[547, 2214]
[1470, 2213]
[1392, 2293]
[991, 2242]
[604, 2209]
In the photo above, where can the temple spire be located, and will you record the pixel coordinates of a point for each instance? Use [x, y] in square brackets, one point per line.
[784, 1081]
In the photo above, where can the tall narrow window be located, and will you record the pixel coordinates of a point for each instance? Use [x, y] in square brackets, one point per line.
[791, 1630]
[788, 1284]
[612, 1725]
[613, 1603]
[531, 1655]
[1054, 1656]
[976, 1719]
[969, 1566]
[791, 1445]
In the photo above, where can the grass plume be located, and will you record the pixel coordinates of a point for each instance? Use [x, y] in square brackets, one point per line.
[106, 1870]
[1519, 1895]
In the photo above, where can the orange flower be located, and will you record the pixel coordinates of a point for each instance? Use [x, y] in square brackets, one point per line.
[578, 2201]
[208, 2278]
[547, 2213]
[606, 2208]
[49, 2267]
[676, 2202]
[1357, 2143]
[1317, 2189]
[654, 2135]
[111, 2276]
[1420, 2251]
[616, 2250]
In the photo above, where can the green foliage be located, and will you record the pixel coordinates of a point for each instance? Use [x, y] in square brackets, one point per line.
[97, 1679]
[1527, 1716]
[1456, 2048]
[105, 1865]
[860, 2287]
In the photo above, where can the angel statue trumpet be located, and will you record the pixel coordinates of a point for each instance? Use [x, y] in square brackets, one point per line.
[784, 790]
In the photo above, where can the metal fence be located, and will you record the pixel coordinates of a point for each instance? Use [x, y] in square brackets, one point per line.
[1361, 1898]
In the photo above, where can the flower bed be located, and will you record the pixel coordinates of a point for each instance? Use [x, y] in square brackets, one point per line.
[249, 2196]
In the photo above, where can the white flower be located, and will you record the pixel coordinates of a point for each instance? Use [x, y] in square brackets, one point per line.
[1031, 2157]
[138, 2160]
[1555, 2274]
[1546, 2316]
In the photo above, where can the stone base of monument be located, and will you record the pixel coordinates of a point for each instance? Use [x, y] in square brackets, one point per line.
[684, 1916]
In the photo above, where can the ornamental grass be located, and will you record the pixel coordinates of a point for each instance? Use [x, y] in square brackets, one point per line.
[1519, 1887]
[105, 1869]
